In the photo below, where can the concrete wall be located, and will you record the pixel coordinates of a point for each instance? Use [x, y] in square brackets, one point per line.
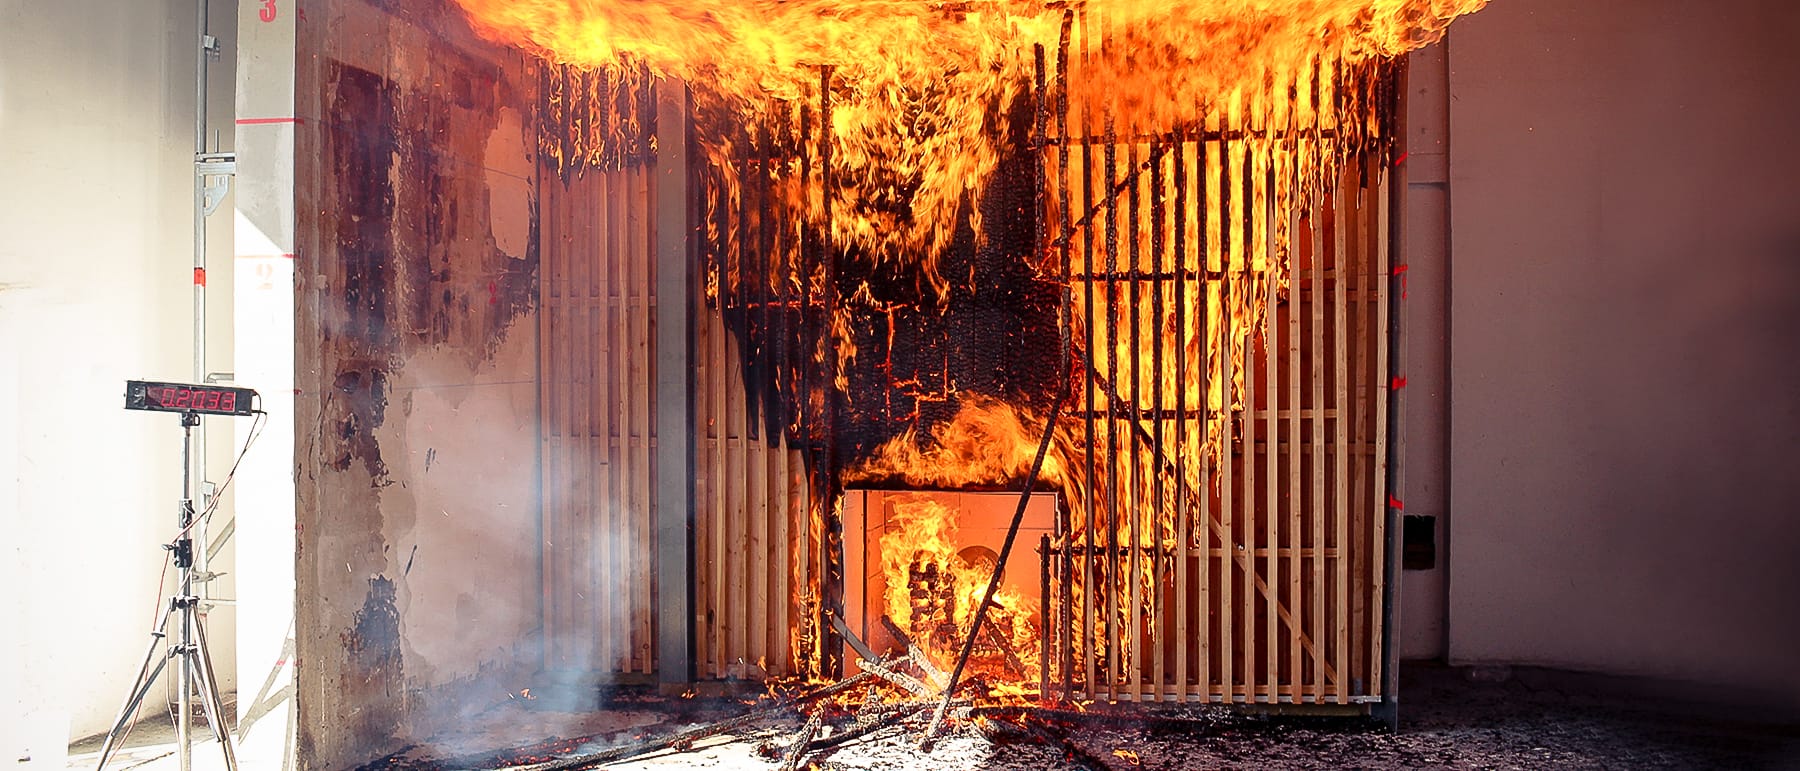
[1625, 312]
[417, 581]
[96, 144]
[1424, 320]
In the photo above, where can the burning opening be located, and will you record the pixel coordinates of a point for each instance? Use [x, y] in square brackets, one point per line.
[916, 565]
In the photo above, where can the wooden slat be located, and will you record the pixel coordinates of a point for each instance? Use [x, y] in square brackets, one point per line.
[1090, 603]
[1340, 474]
[1316, 301]
[1244, 182]
[642, 315]
[1270, 455]
[1293, 541]
[1134, 399]
[575, 446]
[1211, 461]
[716, 418]
[590, 248]
[1378, 523]
[737, 519]
[1183, 510]
[1359, 427]
[1227, 493]
[1160, 504]
[618, 395]
[722, 487]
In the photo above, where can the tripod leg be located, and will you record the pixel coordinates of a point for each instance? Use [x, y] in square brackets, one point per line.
[212, 702]
[141, 687]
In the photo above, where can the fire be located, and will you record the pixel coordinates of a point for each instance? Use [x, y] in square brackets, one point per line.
[920, 86]
[913, 103]
[988, 443]
[934, 588]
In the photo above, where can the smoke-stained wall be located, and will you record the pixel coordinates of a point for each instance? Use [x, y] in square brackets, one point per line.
[1625, 308]
[416, 408]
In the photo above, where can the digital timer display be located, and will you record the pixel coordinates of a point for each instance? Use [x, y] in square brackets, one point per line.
[182, 397]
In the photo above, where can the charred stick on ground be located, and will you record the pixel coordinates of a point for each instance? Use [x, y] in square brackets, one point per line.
[933, 675]
[798, 751]
[682, 739]
[899, 679]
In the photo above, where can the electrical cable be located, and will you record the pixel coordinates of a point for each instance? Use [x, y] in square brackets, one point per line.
[257, 425]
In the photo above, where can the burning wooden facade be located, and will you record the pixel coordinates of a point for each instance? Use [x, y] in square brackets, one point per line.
[1203, 306]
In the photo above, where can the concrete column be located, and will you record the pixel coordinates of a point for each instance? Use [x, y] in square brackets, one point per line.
[674, 391]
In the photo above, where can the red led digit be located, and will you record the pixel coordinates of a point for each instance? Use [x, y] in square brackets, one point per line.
[184, 397]
[228, 401]
[212, 400]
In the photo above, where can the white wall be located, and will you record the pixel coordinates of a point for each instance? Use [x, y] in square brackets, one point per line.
[96, 142]
[1625, 313]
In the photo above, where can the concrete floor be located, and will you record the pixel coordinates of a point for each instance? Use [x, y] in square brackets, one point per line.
[1523, 719]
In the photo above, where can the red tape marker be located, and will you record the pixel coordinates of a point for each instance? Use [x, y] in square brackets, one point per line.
[1400, 270]
[1398, 383]
[199, 277]
[1395, 504]
[1402, 158]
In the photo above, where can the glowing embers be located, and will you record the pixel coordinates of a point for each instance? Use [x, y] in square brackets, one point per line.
[923, 560]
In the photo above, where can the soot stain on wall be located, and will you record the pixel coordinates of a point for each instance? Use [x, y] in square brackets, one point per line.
[372, 648]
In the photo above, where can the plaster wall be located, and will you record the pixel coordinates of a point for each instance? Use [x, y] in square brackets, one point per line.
[1625, 308]
[96, 154]
[416, 580]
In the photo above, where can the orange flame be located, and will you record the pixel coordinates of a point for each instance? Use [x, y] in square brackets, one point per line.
[934, 588]
[921, 85]
[918, 93]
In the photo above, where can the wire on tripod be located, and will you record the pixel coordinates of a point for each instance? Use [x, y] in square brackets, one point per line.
[257, 425]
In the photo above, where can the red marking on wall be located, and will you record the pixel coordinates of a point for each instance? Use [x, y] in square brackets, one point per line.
[199, 277]
[1402, 158]
[1400, 270]
[493, 293]
[268, 12]
[265, 121]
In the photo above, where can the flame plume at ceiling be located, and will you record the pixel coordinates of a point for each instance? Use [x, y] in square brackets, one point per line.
[925, 84]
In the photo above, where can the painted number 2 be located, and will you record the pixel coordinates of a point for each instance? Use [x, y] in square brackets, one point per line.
[267, 12]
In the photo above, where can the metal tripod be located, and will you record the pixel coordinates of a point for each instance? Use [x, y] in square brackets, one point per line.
[194, 665]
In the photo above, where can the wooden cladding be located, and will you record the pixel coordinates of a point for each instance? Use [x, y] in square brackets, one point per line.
[1223, 536]
[1258, 516]
[1229, 304]
[754, 549]
[596, 370]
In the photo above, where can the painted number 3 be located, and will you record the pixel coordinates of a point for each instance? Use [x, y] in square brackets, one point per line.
[267, 12]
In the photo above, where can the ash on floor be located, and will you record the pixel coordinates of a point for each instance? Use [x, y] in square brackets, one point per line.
[1527, 720]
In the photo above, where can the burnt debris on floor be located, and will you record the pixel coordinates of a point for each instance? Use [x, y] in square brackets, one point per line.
[1450, 720]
